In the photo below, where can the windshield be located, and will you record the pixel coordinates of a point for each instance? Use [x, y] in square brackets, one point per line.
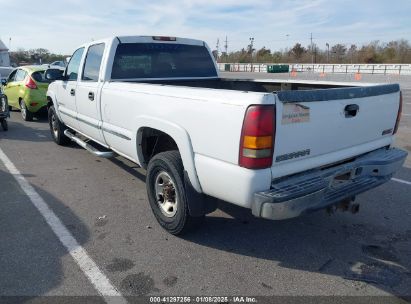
[162, 60]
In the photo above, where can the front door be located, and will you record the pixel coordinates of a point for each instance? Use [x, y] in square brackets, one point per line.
[67, 92]
[88, 94]
[11, 89]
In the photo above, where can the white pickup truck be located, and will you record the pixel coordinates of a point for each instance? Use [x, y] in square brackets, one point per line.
[280, 148]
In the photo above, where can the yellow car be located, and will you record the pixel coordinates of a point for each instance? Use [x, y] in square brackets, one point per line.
[26, 89]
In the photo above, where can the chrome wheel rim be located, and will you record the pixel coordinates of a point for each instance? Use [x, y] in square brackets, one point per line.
[54, 126]
[166, 195]
[23, 109]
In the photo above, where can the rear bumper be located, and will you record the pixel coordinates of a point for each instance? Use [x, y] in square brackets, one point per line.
[35, 100]
[40, 107]
[317, 189]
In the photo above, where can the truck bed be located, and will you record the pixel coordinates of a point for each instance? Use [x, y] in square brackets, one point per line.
[252, 85]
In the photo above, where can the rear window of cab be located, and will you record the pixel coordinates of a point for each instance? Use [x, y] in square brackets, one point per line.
[161, 60]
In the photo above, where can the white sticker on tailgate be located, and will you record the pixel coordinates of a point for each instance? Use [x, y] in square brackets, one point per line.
[295, 113]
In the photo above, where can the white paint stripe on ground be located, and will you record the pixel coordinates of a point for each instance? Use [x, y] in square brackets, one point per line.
[78, 253]
[406, 114]
[401, 181]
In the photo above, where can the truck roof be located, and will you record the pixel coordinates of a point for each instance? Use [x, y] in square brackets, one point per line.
[147, 39]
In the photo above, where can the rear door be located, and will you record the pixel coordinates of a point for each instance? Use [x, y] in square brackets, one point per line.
[319, 127]
[15, 89]
[20, 88]
[88, 94]
[67, 91]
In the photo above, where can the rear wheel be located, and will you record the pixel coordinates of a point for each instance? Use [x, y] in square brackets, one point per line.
[166, 193]
[57, 128]
[4, 125]
[25, 113]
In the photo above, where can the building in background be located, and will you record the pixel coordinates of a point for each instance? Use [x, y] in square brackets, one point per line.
[5, 67]
[4, 55]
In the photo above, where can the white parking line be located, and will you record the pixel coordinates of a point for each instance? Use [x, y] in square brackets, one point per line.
[401, 181]
[406, 114]
[78, 253]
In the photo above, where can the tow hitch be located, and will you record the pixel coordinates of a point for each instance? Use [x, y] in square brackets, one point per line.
[344, 205]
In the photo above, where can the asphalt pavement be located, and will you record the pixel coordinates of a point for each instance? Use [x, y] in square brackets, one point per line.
[103, 204]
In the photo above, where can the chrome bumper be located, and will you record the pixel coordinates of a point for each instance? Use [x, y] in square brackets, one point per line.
[320, 188]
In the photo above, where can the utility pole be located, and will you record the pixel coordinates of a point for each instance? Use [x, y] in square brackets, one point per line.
[251, 51]
[10, 44]
[328, 52]
[218, 47]
[312, 51]
[226, 47]
[288, 36]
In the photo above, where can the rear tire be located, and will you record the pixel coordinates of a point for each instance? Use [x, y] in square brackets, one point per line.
[166, 193]
[57, 128]
[25, 113]
[4, 125]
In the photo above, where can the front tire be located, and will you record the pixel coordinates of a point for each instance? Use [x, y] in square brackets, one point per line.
[57, 128]
[25, 113]
[166, 193]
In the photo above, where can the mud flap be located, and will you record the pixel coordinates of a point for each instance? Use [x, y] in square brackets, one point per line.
[199, 204]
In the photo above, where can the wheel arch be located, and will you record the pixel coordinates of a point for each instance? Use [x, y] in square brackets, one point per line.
[178, 134]
[51, 101]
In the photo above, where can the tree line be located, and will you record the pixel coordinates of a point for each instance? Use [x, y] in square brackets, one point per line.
[398, 51]
[34, 56]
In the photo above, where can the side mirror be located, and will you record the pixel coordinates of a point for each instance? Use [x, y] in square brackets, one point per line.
[53, 74]
[3, 82]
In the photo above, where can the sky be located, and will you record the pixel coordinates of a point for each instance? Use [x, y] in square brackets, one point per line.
[61, 25]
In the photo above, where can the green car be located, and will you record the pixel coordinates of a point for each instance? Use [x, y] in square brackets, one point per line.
[26, 89]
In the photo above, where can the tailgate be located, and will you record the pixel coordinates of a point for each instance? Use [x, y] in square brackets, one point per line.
[319, 127]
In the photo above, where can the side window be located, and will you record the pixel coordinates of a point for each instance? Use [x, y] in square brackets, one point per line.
[92, 65]
[12, 76]
[74, 65]
[20, 75]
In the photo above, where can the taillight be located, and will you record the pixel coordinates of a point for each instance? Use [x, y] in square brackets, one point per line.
[397, 122]
[30, 83]
[164, 38]
[257, 137]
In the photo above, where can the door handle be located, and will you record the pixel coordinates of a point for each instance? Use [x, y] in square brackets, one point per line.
[351, 110]
[91, 96]
[72, 92]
